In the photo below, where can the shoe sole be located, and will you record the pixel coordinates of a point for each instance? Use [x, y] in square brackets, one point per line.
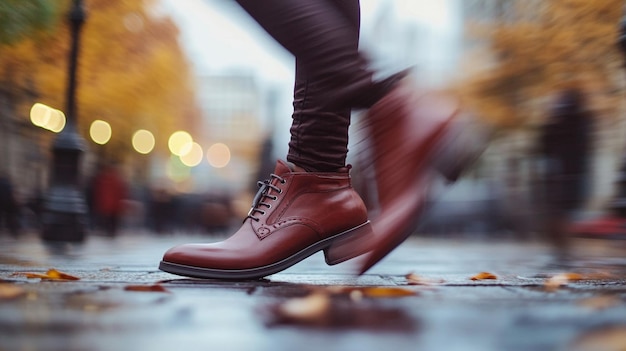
[327, 245]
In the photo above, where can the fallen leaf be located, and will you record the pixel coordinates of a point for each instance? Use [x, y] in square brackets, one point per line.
[312, 308]
[51, 274]
[146, 288]
[414, 279]
[33, 275]
[484, 276]
[387, 292]
[10, 291]
[560, 280]
[369, 291]
[54, 274]
[612, 338]
[600, 302]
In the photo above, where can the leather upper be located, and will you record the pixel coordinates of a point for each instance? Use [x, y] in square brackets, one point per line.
[294, 210]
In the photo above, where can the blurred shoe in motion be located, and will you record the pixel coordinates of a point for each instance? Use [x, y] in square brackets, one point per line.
[414, 137]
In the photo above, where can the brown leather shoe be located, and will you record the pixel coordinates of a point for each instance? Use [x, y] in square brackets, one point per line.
[294, 215]
[412, 135]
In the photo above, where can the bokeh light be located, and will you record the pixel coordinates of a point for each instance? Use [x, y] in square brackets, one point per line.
[143, 141]
[57, 121]
[100, 132]
[40, 114]
[218, 155]
[179, 143]
[193, 157]
[47, 117]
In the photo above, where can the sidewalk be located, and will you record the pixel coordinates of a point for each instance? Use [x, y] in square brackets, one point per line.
[123, 302]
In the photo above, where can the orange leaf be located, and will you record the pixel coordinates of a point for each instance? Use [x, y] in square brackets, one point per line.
[386, 292]
[146, 288]
[33, 275]
[10, 291]
[414, 279]
[309, 308]
[376, 291]
[54, 274]
[600, 302]
[559, 280]
[484, 276]
[51, 274]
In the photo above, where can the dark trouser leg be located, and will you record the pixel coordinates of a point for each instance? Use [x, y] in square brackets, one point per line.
[331, 75]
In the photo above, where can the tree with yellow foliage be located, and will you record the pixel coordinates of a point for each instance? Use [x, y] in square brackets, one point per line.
[538, 47]
[132, 71]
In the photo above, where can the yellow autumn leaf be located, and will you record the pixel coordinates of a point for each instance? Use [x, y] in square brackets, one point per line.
[484, 276]
[55, 274]
[51, 274]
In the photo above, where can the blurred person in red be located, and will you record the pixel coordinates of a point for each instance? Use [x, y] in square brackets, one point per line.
[565, 145]
[308, 204]
[109, 192]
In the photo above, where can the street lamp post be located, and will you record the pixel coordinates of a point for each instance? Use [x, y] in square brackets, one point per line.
[619, 204]
[65, 209]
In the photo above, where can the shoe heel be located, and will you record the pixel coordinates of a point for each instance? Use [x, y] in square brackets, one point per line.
[463, 143]
[349, 244]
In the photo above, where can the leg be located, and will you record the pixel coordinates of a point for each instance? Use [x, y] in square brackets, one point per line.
[323, 35]
[289, 219]
[319, 134]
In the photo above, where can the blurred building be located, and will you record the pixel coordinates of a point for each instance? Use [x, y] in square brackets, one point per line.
[237, 112]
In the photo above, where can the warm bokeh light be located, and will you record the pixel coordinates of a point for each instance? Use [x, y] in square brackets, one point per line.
[143, 141]
[100, 132]
[193, 157]
[178, 143]
[56, 122]
[218, 155]
[40, 114]
[47, 117]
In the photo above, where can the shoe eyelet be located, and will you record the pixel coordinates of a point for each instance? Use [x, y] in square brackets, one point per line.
[283, 181]
[274, 197]
[262, 212]
[269, 206]
[280, 191]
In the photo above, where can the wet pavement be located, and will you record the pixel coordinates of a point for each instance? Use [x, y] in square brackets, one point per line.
[123, 302]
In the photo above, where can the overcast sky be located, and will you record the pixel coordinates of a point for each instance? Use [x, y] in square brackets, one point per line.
[220, 36]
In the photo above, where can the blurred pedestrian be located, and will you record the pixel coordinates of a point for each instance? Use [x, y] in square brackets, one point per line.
[566, 146]
[308, 203]
[9, 207]
[109, 192]
[160, 210]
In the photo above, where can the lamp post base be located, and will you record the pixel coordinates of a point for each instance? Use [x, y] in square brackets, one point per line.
[65, 215]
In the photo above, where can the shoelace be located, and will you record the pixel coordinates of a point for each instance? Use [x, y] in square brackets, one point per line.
[263, 193]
